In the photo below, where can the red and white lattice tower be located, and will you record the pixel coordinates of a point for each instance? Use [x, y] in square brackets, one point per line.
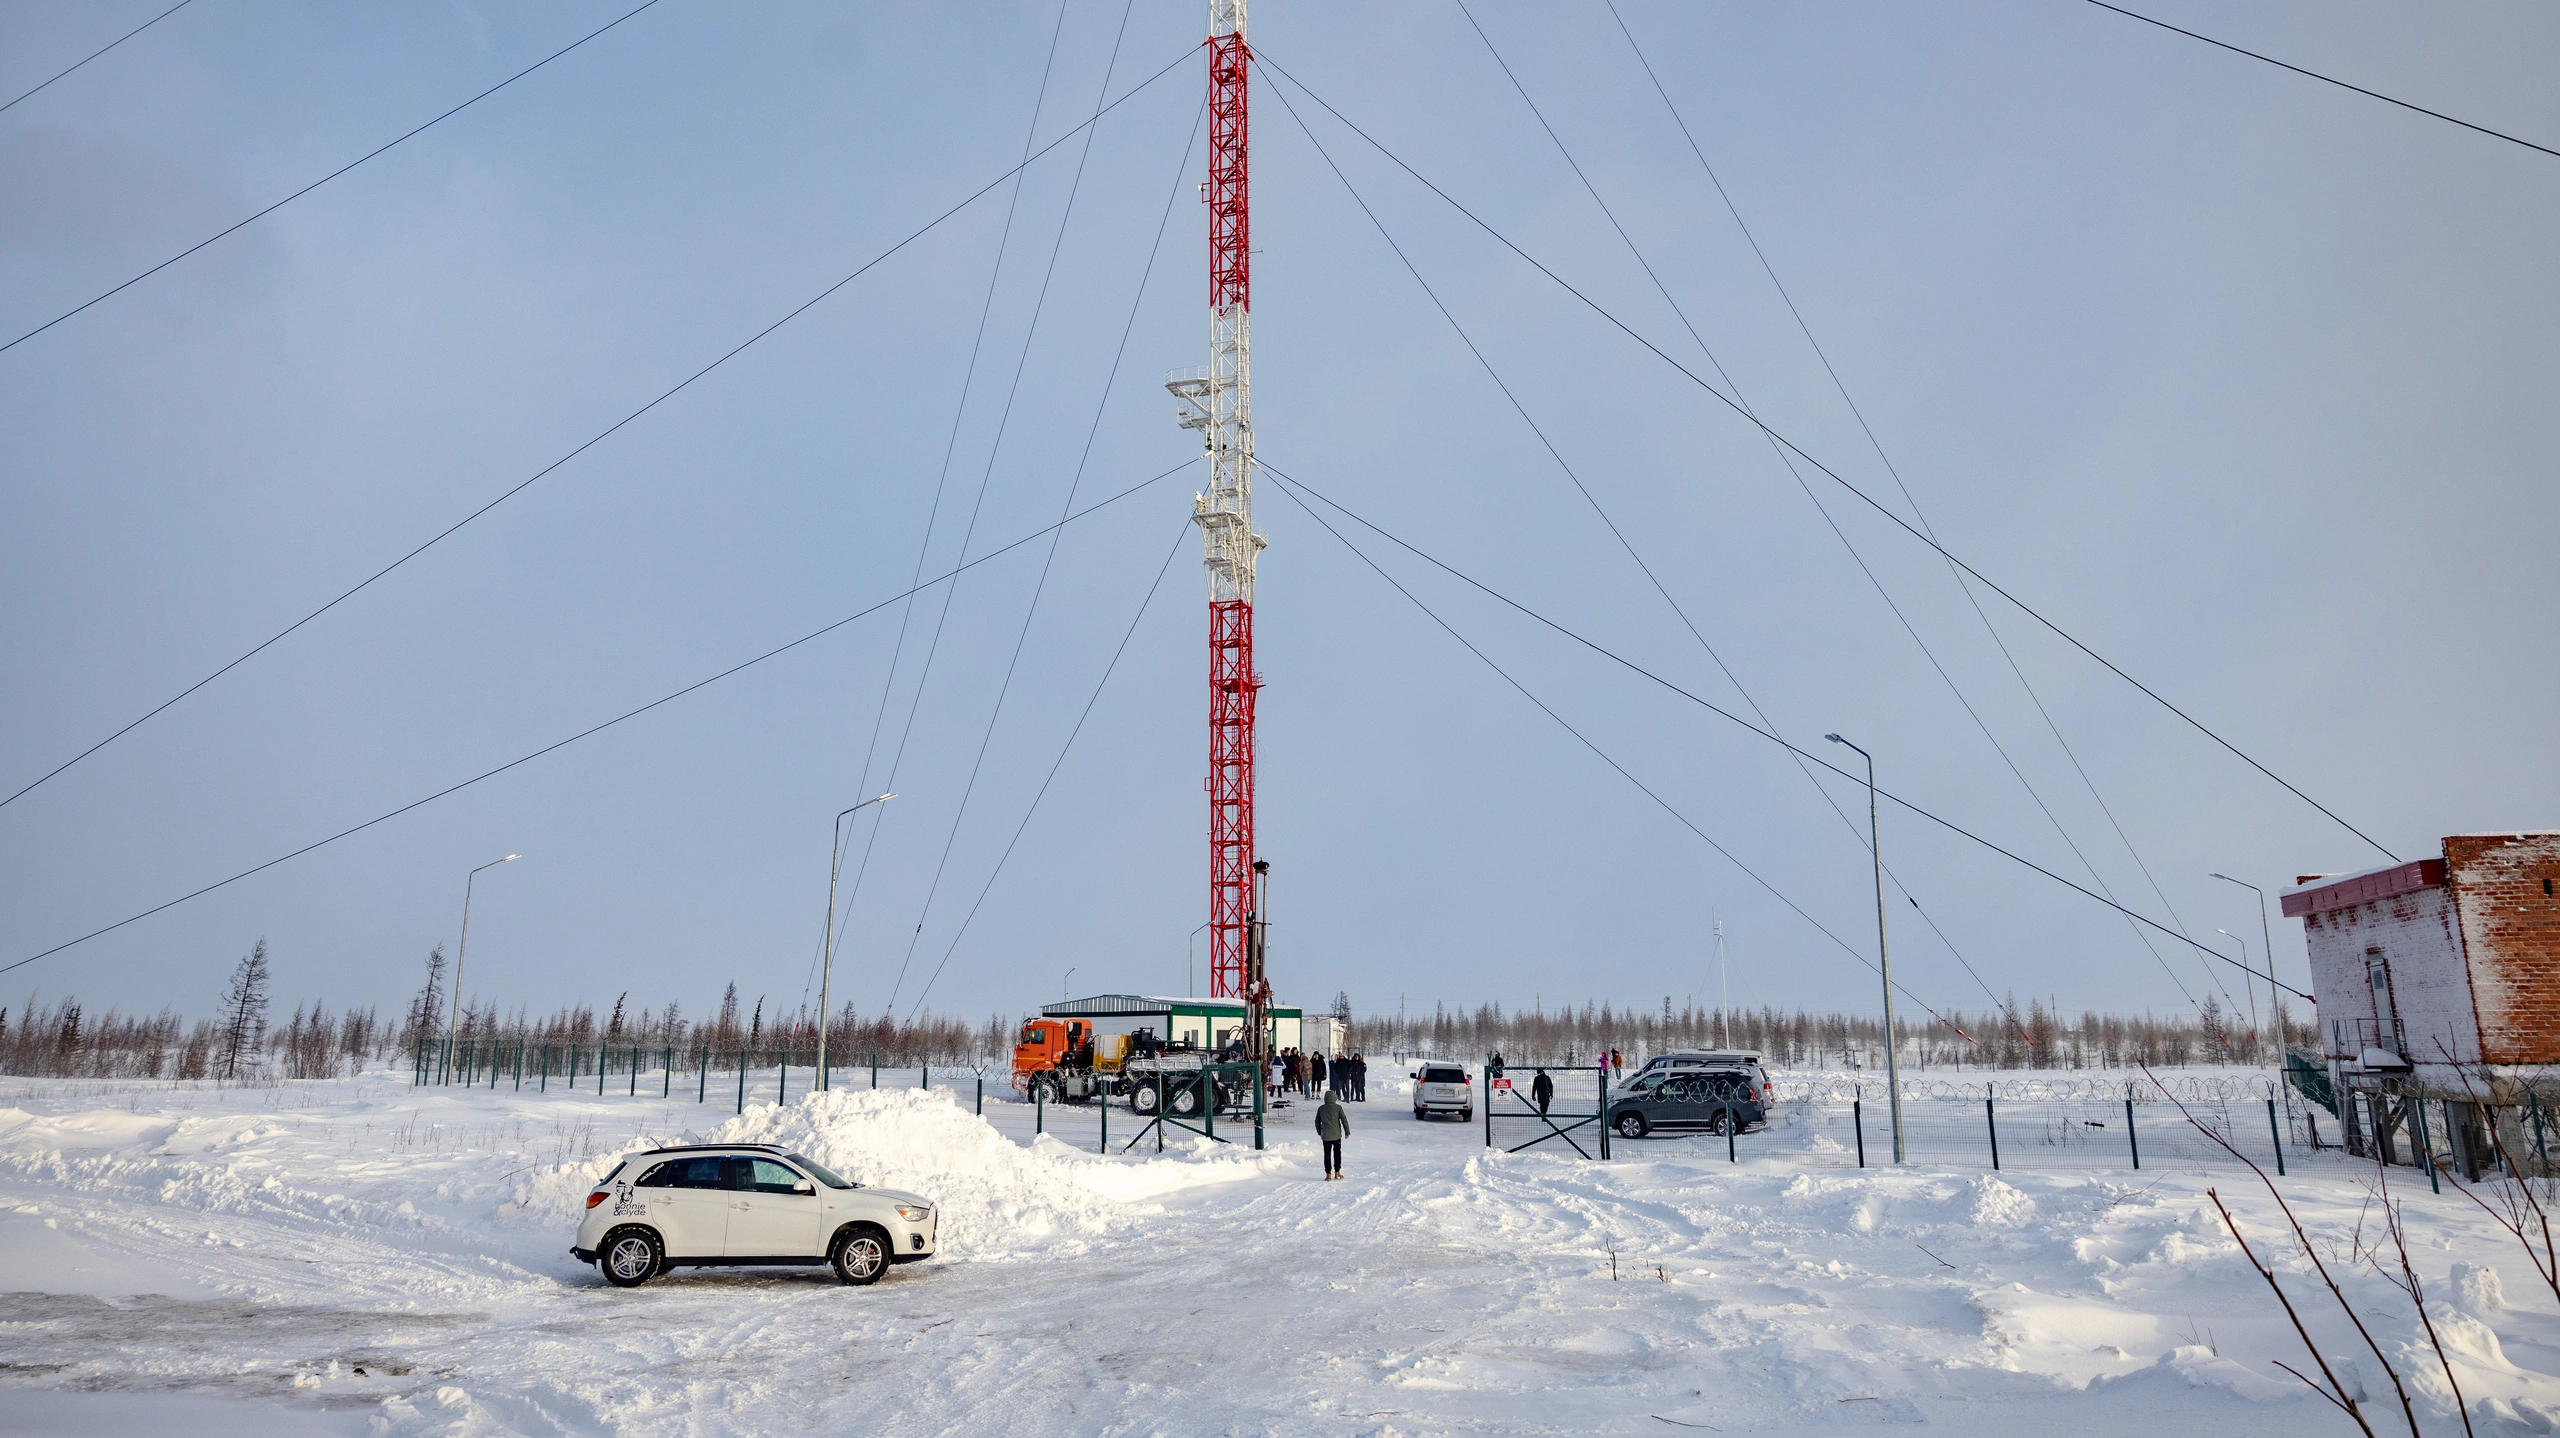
[1219, 404]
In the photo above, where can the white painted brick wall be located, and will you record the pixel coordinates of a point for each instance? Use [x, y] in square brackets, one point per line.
[2417, 932]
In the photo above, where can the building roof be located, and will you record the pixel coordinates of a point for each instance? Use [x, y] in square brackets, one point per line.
[2324, 892]
[1122, 1006]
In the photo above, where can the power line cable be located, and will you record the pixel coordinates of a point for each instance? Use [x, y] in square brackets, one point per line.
[1606, 519]
[1827, 472]
[1288, 482]
[1019, 829]
[609, 723]
[324, 179]
[933, 516]
[1004, 687]
[1682, 315]
[129, 34]
[582, 448]
[2327, 79]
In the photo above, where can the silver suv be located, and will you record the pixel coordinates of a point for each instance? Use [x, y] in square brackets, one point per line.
[1743, 1061]
[745, 1205]
[1443, 1088]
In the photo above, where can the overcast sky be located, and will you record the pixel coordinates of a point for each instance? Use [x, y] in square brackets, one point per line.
[2242, 379]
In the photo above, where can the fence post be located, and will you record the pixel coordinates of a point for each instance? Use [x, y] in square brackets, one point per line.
[702, 1085]
[1106, 1122]
[2426, 1145]
[1991, 1124]
[667, 1074]
[1604, 1111]
[2129, 1135]
[1858, 1124]
[1487, 1071]
[875, 1070]
[573, 1066]
[1039, 1106]
[924, 1076]
[546, 1068]
[1260, 1071]
[982, 1095]
[635, 1071]
[2278, 1134]
[742, 1080]
[782, 1078]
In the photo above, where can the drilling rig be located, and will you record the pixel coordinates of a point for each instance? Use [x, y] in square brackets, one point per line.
[1218, 402]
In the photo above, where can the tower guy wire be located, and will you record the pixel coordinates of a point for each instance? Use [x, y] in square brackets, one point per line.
[630, 714]
[1293, 486]
[1827, 472]
[590, 443]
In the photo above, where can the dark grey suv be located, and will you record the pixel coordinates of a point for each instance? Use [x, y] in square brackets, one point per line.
[1691, 1102]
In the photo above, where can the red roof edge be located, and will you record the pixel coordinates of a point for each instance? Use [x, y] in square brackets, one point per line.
[2366, 888]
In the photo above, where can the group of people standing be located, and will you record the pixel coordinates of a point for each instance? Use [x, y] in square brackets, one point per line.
[1343, 1076]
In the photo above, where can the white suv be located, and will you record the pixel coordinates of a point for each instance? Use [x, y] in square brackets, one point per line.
[742, 1205]
[1443, 1088]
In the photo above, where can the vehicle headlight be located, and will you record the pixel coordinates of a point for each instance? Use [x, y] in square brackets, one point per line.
[913, 1214]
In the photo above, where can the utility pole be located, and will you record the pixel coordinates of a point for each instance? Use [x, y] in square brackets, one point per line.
[1219, 404]
[1884, 953]
[827, 970]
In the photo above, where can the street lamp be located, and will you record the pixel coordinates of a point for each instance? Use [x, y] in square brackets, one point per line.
[1062, 984]
[2244, 975]
[1884, 956]
[459, 950]
[2267, 945]
[827, 964]
[1191, 965]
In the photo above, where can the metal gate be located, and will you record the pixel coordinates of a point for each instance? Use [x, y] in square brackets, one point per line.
[1566, 1110]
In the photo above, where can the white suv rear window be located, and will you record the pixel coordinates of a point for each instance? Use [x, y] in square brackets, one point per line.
[1444, 1075]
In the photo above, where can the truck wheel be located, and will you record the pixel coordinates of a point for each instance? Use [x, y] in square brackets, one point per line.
[1185, 1101]
[861, 1255]
[629, 1258]
[1631, 1125]
[1142, 1098]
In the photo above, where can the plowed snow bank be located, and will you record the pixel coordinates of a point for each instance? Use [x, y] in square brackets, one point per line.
[998, 1199]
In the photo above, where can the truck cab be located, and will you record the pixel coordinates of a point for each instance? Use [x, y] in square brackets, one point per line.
[1055, 1055]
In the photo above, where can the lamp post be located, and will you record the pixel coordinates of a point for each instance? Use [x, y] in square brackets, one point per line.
[827, 963]
[461, 949]
[1884, 957]
[2267, 946]
[2244, 975]
[1191, 965]
[1062, 983]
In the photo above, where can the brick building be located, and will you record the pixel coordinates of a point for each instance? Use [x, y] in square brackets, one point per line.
[2438, 980]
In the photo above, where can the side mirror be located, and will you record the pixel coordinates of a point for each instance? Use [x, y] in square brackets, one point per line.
[804, 1187]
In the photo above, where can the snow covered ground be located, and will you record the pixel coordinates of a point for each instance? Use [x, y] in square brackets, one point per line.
[357, 1257]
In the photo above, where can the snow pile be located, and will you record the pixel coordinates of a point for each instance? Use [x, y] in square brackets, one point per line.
[998, 1199]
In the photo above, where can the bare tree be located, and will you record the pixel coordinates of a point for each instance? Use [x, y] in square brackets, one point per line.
[244, 1009]
[427, 1009]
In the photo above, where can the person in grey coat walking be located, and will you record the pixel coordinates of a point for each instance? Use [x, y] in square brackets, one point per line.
[1331, 1124]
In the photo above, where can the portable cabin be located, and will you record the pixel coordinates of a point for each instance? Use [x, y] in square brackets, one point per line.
[1204, 1023]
